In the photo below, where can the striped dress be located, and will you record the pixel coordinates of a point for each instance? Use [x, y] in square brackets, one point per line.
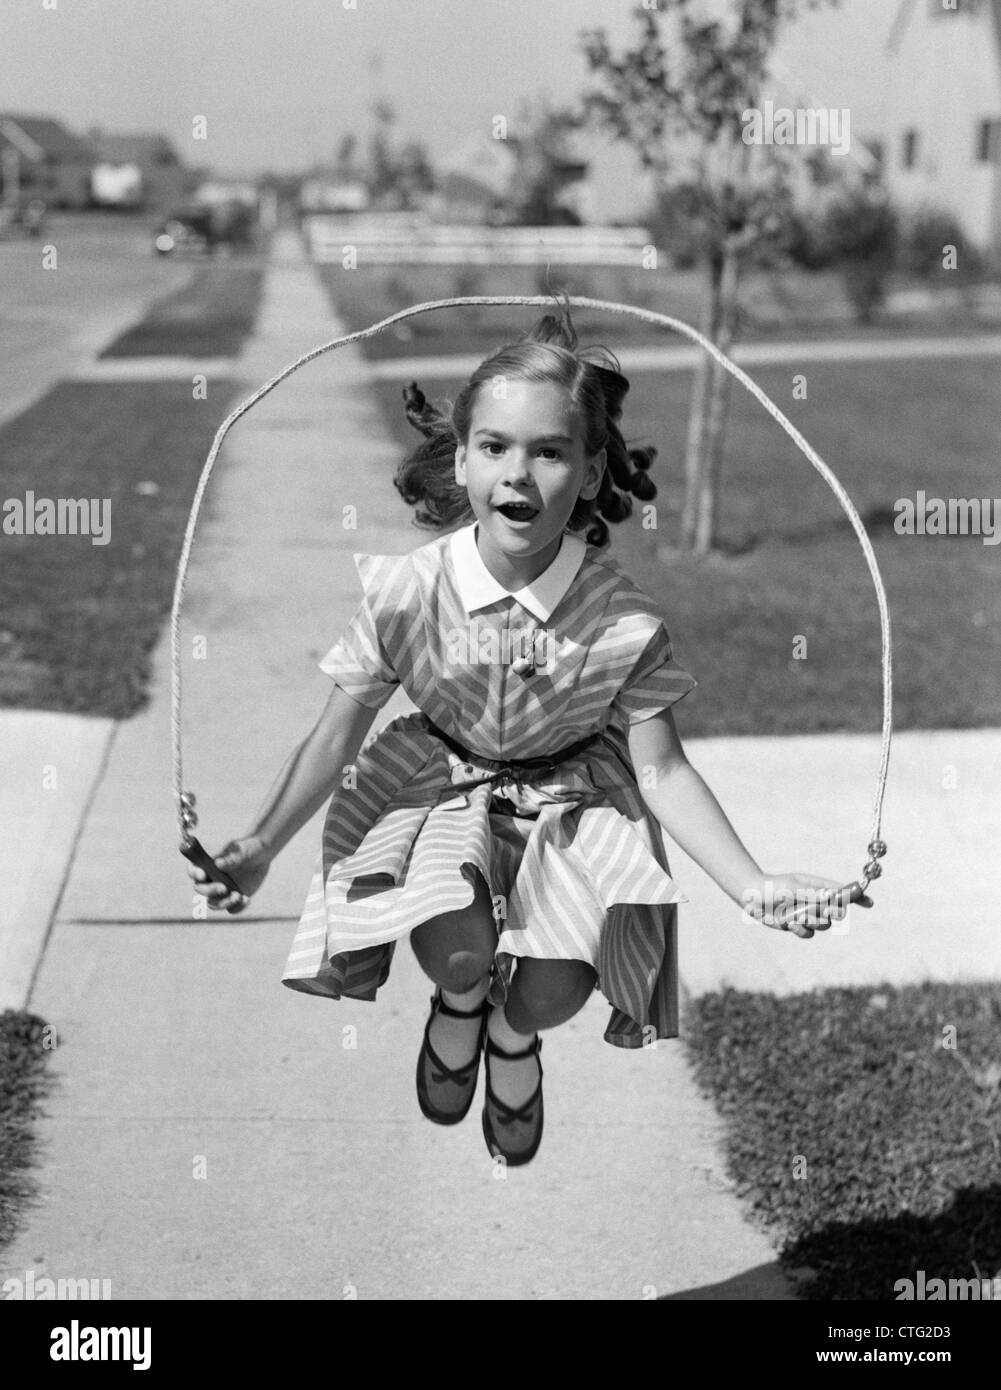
[575, 862]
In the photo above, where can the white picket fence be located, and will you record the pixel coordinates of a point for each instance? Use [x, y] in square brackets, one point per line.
[393, 240]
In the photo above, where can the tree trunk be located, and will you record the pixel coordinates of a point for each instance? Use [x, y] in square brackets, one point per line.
[695, 445]
[718, 399]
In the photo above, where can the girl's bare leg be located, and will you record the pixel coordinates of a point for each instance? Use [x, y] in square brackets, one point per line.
[456, 950]
[543, 994]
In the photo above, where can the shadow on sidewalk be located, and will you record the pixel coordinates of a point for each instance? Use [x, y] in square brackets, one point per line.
[952, 1256]
[763, 1282]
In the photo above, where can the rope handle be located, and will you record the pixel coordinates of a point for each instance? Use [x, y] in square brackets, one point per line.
[185, 800]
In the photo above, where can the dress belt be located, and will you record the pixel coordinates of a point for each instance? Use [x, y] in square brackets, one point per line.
[512, 767]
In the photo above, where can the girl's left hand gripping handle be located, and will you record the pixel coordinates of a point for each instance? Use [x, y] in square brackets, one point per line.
[194, 851]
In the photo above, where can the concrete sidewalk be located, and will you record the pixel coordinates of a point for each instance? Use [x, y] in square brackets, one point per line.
[804, 803]
[50, 768]
[214, 1135]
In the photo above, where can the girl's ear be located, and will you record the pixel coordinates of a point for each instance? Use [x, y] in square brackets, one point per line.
[460, 464]
[592, 476]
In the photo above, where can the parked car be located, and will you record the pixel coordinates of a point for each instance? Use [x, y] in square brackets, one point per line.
[184, 229]
[204, 228]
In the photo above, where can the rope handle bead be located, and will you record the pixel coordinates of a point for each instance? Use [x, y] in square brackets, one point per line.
[873, 869]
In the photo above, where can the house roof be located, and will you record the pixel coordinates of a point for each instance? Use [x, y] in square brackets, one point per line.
[486, 161]
[38, 136]
[131, 149]
[907, 9]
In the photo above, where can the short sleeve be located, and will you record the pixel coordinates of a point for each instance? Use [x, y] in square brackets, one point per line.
[358, 662]
[655, 682]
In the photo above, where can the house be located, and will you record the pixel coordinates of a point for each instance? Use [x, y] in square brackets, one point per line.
[941, 132]
[139, 171]
[40, 158]
[474, 181]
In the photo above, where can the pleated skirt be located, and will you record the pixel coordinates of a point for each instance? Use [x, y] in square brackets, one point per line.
[575, 863]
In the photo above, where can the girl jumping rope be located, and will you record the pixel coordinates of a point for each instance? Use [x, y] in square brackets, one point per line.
[512, 828]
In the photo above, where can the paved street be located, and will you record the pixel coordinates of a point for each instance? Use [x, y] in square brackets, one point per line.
[53, 321]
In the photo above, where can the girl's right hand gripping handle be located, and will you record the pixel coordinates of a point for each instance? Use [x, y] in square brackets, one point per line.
[194, 851]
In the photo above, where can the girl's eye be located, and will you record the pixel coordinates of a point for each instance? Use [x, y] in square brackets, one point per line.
[489, 447]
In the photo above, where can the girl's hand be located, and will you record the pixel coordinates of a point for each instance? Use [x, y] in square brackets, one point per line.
[247, 861]
[801, 903]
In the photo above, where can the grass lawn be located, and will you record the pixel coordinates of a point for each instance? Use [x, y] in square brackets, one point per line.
[78, 621]
[24, 1081]
[211, 316]
[792, 566]
[863, 1128]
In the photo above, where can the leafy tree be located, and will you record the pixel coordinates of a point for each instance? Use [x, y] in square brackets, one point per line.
[679, 96]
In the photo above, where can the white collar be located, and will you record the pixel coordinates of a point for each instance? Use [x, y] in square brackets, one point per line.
[478, 588]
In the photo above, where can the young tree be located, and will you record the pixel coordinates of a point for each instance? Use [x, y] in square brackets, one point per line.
[414, 172]
[346, 159]
[399, 174]
[381, 164]
[683, 97]
[546, 162]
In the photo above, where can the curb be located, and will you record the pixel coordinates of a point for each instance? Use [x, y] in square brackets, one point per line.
[53, 765]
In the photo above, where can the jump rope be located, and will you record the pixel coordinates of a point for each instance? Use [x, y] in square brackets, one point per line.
[191, 848]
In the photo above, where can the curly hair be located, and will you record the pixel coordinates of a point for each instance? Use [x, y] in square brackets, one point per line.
[547, 353]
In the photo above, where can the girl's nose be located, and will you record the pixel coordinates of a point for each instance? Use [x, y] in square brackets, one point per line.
[518, 469]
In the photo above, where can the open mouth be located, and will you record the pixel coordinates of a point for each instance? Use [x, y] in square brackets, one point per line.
[518, 511]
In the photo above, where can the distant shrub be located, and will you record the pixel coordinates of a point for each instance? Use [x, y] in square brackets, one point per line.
[926, 234]
[862, 230]
[809, 245]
